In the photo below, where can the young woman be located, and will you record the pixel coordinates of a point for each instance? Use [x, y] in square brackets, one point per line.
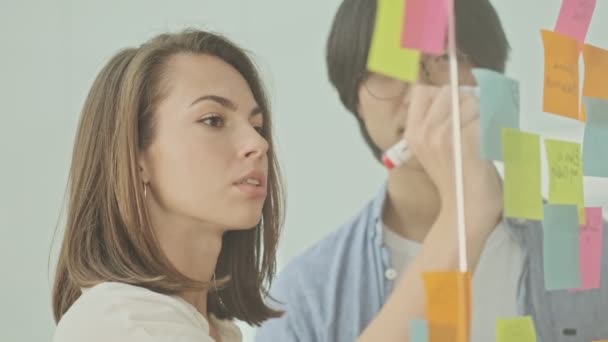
[174, 198]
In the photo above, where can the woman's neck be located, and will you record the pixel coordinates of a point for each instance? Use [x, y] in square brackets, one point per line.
[193, 249]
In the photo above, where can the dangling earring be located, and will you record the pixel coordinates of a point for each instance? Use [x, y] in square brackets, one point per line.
[218, 293]
[145, 190]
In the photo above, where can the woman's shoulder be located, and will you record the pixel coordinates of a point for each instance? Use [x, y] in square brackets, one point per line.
[122, 312]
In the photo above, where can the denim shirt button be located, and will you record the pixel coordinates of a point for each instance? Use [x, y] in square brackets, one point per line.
[390, 274]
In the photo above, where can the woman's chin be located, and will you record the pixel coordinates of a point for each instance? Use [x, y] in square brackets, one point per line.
[245, 223]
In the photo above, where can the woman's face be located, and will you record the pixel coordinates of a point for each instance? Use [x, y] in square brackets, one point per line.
[384, 102]
[207, 163]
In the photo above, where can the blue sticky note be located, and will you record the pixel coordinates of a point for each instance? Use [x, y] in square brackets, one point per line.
[595, 143]
[561, 247]
[419, 331]
[499, 107]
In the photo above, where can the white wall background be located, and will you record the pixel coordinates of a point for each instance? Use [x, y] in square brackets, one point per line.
[50, 52]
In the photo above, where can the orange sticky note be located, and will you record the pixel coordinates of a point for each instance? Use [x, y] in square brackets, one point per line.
[596, 71]
[448, 305]
[595, 83]
[561, 89]
[583, 115]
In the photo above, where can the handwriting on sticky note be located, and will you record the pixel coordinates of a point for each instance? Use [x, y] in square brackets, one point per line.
[425, 26]
[516, 329]
[574, 18]
[418, 331]
[448, 305]
[561, 259]
[565, 174]
[386, 55]
[498, 107]
[561, 85]
[595, 140]
[595, 83]
[522, 184]
[590, 247]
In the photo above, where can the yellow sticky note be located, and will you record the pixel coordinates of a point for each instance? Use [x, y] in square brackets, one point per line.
[561, 85]
[517, 329]
[386, 56]
[448, 305]
[522, 187]
[566, 174]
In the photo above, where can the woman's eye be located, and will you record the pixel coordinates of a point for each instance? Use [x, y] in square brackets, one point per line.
[213, 121]
[259, 129]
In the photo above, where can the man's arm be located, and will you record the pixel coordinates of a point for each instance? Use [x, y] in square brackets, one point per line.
[286, 328]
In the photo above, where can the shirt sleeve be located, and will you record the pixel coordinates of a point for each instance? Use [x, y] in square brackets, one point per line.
[291, 326]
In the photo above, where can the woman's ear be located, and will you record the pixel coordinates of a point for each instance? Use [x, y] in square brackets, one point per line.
[143, 168]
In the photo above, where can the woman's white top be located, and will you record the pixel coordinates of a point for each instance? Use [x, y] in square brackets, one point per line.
[119, 312]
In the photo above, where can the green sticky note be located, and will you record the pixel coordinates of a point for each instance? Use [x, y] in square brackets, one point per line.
[561, 257]
[595, 143]
[566, 174]
[419, 331]
[498, 108]
[517, 329]
[522, 187]
[386, 56]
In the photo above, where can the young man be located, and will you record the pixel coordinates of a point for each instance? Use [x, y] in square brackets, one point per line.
[363, 281]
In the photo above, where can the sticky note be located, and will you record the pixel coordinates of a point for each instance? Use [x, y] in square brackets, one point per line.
[418, 331]
[561, 258]
[516, 329]
[448, 305]
[561, 84]
[595, 83]
[522, 177]
[386, 56]
[574, 18]
[566, 174]
[590, 249]
[595, 139]
[425, 26]
[498, 107]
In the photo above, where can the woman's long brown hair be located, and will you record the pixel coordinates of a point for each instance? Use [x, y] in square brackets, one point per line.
[108, 235]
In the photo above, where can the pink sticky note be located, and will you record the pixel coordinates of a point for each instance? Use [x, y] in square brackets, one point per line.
[590, 249]
[574, 18]
[425, 26]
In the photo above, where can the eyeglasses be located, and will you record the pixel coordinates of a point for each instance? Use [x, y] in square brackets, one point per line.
[386, 88]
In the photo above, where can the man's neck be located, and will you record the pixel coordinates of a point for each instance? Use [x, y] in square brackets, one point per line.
[412, 203]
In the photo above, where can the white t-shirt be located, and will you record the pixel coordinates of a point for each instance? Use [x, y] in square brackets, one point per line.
[495, 281]
[119, 312]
